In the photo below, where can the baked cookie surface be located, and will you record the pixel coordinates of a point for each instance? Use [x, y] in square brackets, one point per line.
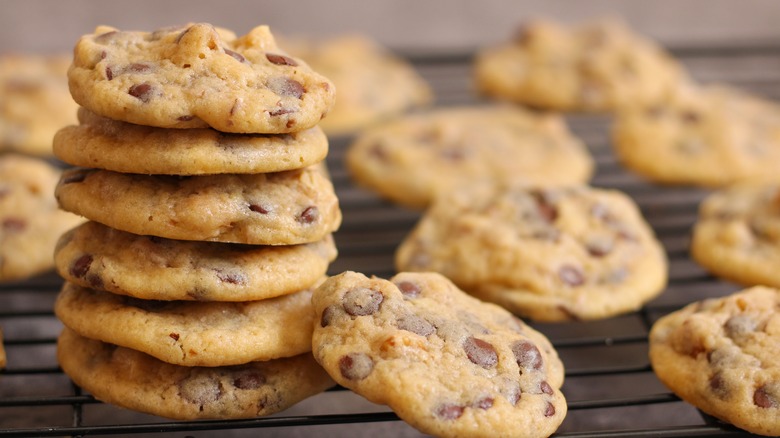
[598, 66]
[548, 254]
[708, 136]
[136, 381]
[445, 362]
[722, 355]
[412, 159]
[373, 84]
[124, 147]
[154, 268]
[197, 76]
[737, 234]
[192, 333]
[30, 221]
[283, 208]
[34, 102]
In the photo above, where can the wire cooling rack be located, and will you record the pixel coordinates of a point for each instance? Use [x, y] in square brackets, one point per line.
[610, 387]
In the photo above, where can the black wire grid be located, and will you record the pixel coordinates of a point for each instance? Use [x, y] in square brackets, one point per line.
[610, 387]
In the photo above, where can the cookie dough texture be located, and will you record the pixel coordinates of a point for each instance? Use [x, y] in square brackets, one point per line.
[197, 76]
[153, 268]
[446, 363]
[413, 159]
[700, 135]
[283, 208]
[192, 333]
[723, 356]
[124, 147]
[597, 66]
[574, 253]
[34, 102]
[30, 221]
[737, 234]
[136, 381]
[373, 84]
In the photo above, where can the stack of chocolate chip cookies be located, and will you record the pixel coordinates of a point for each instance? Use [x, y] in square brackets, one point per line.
[199, 164]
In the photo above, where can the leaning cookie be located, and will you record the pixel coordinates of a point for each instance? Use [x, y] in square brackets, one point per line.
[34, 102]
[737, 234]
[188, 333]
[197, 76]
[282, 208]
[548, 254]
[153, 268]
[446, 363]
[124, 147]
[708, 136]
[30, 221]
[373, 84]
[723, 356]
[136, 381]
[412, 159]
[598, 66]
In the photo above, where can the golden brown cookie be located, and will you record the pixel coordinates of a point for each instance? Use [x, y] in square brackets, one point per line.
[197, 76]
[548, 254]
[136, 381]
[722, 355]
[445, 362]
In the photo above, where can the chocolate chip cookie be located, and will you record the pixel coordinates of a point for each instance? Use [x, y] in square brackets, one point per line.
[597, 66]
[123, 147]
[192, 333]
[34, 102]
[445, 362]
[153, 268]
[413, 159]
[737, 234]
[197, 76]
[548, 254]
[701, 135]
[723, 356]
[282, 208]
[136, 381]
[30, 221]
[373, 84]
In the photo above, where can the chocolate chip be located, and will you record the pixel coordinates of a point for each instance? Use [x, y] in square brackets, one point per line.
[550, 410]
[484, 403]
[237, 56]
[719, 386]
[545, 387]
[230, 277]
[200, 390]
[81, 266]
[767, 396]
[739, 325]
[409, 290]
[174, 336]
[109, 73]
[95, 281]
[546, 209]
[356, 366]
[258, 209]
[14, 225]
[571, 275]
[309, 215]
[449, 411]
[599, 246]
[285, 86]
[249, 379]
[186, 118]
[527, 355]
[281, 111]
[138, 67]
[362, 301]
[480, 352]
[143, 91]
[513, 393]
[280, 59]
[327, 316]
[415, 324]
